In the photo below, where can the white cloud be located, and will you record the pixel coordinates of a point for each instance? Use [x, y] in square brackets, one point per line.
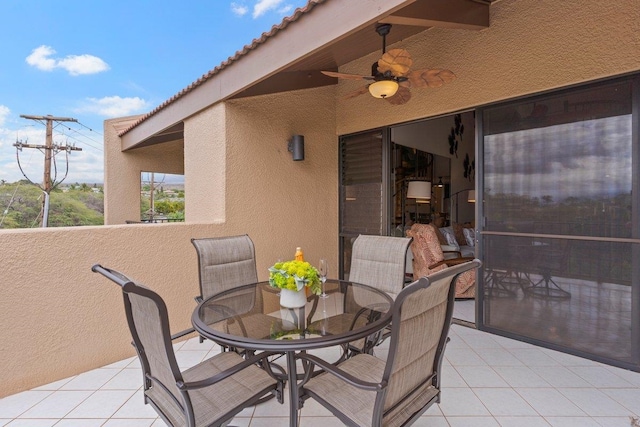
[263, 6]
[114, 106]
[239, 9]
[74, 64]
[285, 9]
[4, 113]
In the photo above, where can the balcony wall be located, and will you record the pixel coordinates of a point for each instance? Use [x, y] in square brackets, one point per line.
[59, 319]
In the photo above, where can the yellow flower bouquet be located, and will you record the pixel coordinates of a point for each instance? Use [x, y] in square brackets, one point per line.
[294, 275]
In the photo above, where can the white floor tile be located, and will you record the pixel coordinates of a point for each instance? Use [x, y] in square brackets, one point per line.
[549, 402]
[559, 376]
[135, 408]
[599, 377]
[91, 380]
[14, 405]
[431, 421]
[629, 398]
[451, 377]
[594, 402]
[614, 421]
[461, 402]
[472, 422]
[522, 422]
[126, 379]
[55, 385]
[187, 359]
[481, 376]
[84, 422]
[101, 404]
[572, 422]
[498, 357]
[463, 357]
[57, 404]
[520, 376]
[276, 422]
[128, 423]
[534, 357]
[32, 423]
[504, 402]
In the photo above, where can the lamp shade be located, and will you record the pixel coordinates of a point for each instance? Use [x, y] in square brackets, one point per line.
[472, 196]
[383, 88]
[419, 190]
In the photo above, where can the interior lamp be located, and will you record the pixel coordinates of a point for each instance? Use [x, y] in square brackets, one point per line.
[383, 88]
[472, 196]
[419, 190]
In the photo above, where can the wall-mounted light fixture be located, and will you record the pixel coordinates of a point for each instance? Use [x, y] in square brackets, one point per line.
[296, 147]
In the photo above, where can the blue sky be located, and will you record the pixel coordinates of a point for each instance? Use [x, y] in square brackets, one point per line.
[93, 60]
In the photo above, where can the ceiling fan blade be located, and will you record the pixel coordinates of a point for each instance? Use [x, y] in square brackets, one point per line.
[346, 76]
[397, 61]
[434, 77]
[402, 96]
[361, 91]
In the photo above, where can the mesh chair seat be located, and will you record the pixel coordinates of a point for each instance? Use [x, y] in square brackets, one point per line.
[208, 403]
[366, 391]
[210, 393]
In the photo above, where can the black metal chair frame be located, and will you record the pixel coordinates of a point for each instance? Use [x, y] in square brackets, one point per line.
[310, 361]
[128, 286]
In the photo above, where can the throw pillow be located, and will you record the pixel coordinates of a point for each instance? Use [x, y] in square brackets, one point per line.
[441, 238]
[470, 236]
[450, 237]
[457, 231]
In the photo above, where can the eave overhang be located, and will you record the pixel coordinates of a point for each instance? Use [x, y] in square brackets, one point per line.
[323, 35]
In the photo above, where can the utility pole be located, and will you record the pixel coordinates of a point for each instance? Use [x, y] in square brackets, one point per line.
[50, 150]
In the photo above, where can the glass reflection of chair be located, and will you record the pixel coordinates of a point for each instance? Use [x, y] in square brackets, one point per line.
[367, 391]
[209, 393]
[549, 258]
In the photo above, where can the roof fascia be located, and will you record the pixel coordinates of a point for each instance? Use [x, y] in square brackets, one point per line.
[325, 25]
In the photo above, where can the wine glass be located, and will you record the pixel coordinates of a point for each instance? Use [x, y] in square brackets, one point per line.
[323, 270]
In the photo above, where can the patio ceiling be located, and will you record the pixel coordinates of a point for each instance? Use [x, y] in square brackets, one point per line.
[324, 35]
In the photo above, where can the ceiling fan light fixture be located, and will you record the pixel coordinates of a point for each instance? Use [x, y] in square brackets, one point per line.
[383, 88]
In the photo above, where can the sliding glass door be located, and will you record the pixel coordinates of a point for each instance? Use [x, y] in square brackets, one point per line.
[560, 229]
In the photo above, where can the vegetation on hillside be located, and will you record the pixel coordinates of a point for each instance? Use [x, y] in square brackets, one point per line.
[78, 204]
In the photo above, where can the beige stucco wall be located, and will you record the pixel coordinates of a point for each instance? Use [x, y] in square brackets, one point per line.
[122, 171]
[59, 319]
[531, 46]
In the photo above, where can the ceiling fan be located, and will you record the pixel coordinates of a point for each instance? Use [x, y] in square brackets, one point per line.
[392, 76]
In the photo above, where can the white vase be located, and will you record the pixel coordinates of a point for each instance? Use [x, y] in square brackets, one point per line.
[293, 299]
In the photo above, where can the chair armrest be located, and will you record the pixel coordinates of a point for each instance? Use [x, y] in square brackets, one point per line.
[226, 373]
[453, 252]
[345, 376]
[182, 333]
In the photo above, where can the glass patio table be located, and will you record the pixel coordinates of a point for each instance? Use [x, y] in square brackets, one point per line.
[250, 317]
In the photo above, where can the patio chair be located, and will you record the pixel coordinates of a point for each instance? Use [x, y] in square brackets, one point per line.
[210, 393]
[378, 261]
[428, 258]
[226, 263]
[367, 391]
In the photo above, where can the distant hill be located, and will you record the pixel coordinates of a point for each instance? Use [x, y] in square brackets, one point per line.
[76, 205]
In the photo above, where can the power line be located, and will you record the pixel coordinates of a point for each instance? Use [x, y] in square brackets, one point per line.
[50, 150]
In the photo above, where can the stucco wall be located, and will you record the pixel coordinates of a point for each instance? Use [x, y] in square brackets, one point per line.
[122, 171]
[59, 319]
[286, 203]
[531, 46]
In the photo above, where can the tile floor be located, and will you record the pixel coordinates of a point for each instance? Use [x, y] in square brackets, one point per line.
[487, 381]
